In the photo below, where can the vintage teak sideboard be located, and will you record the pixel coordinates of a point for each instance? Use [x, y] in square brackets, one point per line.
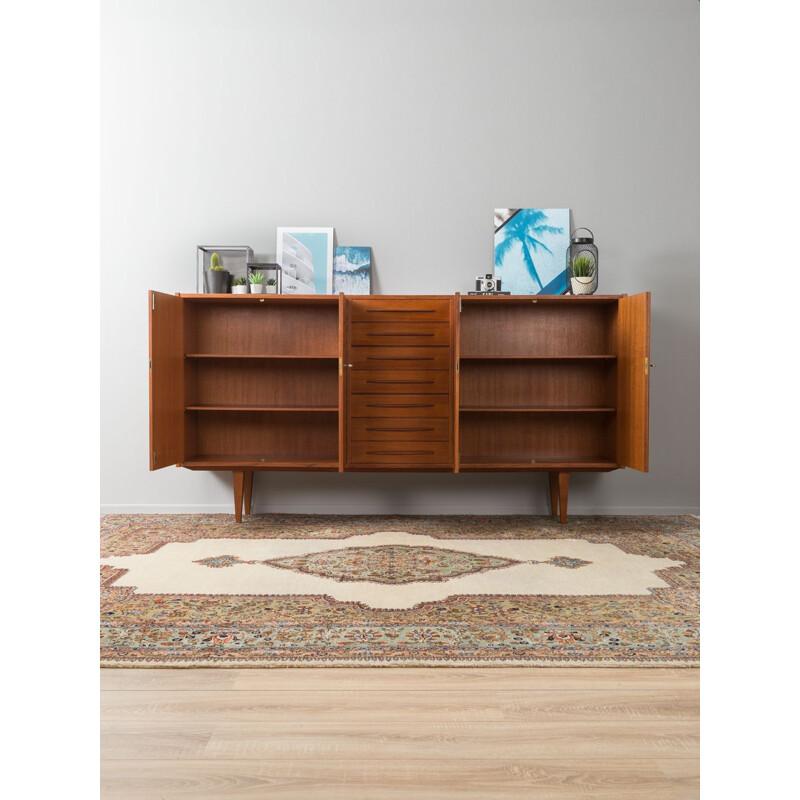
[554, 384]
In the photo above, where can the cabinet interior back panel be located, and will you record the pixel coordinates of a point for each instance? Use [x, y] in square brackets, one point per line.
[538, 330]
[262, 329]
[503, 384]
[306, 382]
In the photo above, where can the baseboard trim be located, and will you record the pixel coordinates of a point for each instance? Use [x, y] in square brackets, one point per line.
[383, 508]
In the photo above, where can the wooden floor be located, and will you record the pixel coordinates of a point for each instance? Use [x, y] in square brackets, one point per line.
[347, 734]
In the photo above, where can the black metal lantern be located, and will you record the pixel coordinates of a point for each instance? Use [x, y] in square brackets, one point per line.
[582, 259]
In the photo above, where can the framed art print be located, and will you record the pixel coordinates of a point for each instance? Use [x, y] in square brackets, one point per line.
[530, 247]
[306, 259]
[352, 268]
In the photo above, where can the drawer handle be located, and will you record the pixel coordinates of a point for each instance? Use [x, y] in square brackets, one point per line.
[399, 405]
[399, 452]
[399, 334]
[399, 358]
[389, 380]
[402, 430]
[401, 310]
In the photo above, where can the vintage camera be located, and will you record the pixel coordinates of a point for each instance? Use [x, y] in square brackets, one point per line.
[487, 283]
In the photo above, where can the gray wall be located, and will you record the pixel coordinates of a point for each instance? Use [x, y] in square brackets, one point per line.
[402, 124]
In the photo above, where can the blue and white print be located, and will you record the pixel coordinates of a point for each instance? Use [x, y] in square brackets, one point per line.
[530, 249]
[352, 267]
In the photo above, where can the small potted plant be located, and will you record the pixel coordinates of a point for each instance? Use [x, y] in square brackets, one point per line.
[239, 285]
[271, 285]
[218, 277]
[256, 282]
[582, 277]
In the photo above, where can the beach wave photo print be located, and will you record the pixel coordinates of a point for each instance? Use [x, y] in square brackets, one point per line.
[530, 249]
[352, 267]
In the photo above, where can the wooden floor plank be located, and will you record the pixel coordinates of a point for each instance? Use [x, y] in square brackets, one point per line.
[396, 679]
[391, 779]
[397, 740]
[352, 706]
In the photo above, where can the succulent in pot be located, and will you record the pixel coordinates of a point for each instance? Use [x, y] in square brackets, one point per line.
[217, 278]
[271, 285]
[256, 282]
[239, 285]
[582, 275]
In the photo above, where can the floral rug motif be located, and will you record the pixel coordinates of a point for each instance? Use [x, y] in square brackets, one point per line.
[294, 590]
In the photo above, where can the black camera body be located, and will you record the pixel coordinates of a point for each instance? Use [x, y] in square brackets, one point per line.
[487, 283]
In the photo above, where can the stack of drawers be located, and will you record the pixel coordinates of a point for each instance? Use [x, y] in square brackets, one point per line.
[400, 383]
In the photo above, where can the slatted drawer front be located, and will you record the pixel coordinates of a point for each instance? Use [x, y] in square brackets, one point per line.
[399, 383]
[389, 429]
[400, 357]
[409, 405]
[425, 334]
[399, 310]
[400, 453]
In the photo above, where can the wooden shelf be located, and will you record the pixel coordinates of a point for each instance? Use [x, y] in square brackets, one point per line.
[265, 356]
[541, 409]
[260, 408]
[282, 299]
[250, 461]
[539, 358]
[576, 464]
[543, 299]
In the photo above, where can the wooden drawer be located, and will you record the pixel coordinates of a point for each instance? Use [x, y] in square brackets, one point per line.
[407, 405]
[391, 454]
[400, 357]
[399, 383]
[402, 309]
[400, 334]
[366, 429]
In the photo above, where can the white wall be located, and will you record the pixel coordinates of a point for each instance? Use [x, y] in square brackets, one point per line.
[402, 124]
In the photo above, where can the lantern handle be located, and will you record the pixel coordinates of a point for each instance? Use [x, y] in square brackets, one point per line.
[580, 229]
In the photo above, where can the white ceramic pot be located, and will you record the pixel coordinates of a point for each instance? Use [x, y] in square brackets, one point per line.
[582, 285]
[256, 288]
[271, 289]
[239, 289]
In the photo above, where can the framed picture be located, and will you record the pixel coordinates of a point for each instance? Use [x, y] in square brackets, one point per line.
[306, 259]
[233, 258]
[352, 270]
[530, 249]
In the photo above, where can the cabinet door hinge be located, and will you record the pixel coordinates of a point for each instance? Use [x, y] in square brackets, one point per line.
[150, 364]
[458, 364]
[459, 305]
[647, 365]
[154, 302]
[155, 460]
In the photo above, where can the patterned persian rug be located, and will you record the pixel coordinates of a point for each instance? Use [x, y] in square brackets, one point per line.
[290, 590]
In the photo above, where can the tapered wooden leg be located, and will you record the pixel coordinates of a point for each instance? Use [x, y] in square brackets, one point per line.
[563, 493]
[238, 487]
[553, 476]
[248, 489]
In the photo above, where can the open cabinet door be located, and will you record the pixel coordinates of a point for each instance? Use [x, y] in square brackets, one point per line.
[166, 380]
[633, 381]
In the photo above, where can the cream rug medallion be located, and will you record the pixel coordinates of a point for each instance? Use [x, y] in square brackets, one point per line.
[188, 590]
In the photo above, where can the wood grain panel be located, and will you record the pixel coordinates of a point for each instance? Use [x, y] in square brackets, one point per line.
[487, 436]
[351, 706]
[410, 405]
[400, 382]
[453, 779]
[271, 328]
[305, 382]
[400, 358]
[633, 381]
[399, 309]
[503, 384]
[167, 443]
[268, 435]
[383, 334]
[536, 329]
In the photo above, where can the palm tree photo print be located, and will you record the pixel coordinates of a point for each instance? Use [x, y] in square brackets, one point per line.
[530, 249]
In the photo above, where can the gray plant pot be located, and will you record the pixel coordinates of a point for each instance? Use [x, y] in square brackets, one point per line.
[218, 281]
